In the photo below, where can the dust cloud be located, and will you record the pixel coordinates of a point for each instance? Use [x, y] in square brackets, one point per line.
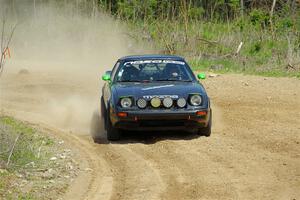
[64, 46]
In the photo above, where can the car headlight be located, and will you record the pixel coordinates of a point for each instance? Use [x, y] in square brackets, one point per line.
[141, 103]
[168, 102]
[155, 102]
[195, 100]
[181, 102]
[126, 102]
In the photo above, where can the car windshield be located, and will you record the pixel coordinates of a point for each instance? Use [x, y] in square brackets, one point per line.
[153, 70]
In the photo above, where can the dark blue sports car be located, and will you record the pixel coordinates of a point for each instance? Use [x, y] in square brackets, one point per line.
[154, 92]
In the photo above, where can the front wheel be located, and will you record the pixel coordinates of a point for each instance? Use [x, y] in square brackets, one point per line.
[206, 131]
[96, 127]
[112, 132]
[103, 113]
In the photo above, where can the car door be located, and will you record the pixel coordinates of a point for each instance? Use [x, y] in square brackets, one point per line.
[106, 90]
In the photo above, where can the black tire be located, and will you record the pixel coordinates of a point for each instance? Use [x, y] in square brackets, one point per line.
[103, 113]
[113, 133]
[206, 131]
[102, 106]
[97, 127]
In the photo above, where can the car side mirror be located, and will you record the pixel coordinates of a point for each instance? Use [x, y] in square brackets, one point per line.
[201, 76]
[106, 77]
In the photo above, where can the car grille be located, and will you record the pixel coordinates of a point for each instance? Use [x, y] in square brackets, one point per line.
[161, 123]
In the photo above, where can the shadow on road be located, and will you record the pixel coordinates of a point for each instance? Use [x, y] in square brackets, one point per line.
[145, 137]
[150, 137]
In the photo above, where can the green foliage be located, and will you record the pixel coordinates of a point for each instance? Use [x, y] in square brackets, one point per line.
[135, 9]
[224, 65]
[196, 13]
[165, 9]
[27, 147]
[212, 31]
[259, 18]
[255, 48]
[284, 23]
[31, 156]
[6, 180]
[23, 197]
[241, 24]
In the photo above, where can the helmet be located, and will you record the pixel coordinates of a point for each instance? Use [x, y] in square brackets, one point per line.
[171, 70]
[129, 73]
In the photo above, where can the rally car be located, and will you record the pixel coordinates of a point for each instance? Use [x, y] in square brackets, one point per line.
[154, 92]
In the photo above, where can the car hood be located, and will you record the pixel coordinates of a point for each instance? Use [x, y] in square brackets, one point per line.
[138, 90]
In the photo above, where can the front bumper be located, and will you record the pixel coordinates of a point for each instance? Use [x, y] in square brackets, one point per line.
[161, 119]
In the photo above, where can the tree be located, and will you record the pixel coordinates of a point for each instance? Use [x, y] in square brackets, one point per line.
[271, 16]
[5, 40]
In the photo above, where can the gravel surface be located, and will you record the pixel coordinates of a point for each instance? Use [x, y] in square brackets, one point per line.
[253, 153]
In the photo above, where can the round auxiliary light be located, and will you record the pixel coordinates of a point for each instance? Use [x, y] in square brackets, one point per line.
[155, 102]
[195, 100]
[168, 102]
[126, 102]
[181, 102]
[141, 103]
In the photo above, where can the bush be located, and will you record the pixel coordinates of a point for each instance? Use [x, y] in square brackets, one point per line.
[259, 18]
[27, 143]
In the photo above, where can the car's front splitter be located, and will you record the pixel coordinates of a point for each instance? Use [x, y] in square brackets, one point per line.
[161, 119]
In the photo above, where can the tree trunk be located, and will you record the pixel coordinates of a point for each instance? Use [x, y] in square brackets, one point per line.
[242, 8]
[271, 17]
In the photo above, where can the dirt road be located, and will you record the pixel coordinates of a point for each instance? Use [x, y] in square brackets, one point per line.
[253, 153]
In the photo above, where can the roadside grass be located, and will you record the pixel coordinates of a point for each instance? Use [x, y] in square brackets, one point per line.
[29, 173]
[27, 147]
[224, 66]
[206, 44]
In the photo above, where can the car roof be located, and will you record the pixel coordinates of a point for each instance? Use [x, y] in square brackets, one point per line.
[152, 57]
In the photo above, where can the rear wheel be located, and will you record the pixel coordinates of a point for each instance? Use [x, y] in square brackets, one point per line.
[206, 131]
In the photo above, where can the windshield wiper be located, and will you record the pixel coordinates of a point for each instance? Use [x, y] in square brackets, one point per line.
[172, 79]
[127, 81]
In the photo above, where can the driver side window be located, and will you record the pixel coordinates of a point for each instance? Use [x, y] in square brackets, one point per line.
[115, 69]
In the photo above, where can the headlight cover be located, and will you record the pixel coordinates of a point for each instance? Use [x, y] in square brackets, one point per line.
[168, 102]
[195, 100]
[126, 102]
[181, 102]
[141, 103]
[155, 102]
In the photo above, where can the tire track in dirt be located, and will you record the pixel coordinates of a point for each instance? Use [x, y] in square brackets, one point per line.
[135, 177]
[101, 183]
[95, 179]
[253, 152]
[185, 170]
[186, 174]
